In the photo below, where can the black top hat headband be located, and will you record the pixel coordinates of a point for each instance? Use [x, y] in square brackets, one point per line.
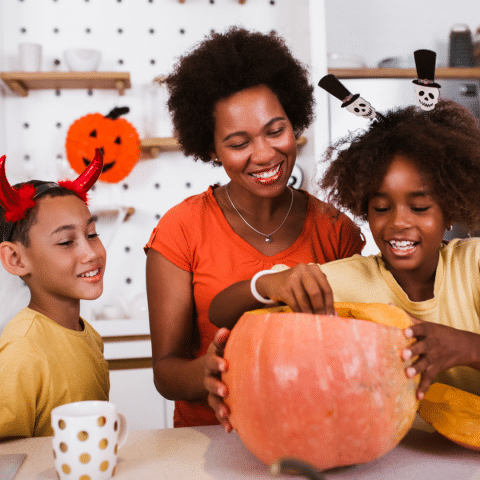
[17, 201]
[354, 103]
[426, 89]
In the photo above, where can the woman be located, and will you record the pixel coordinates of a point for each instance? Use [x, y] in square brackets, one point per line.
[238, 100]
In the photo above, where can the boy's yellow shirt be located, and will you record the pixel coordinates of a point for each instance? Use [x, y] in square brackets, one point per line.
[456, 301]
[43, 365]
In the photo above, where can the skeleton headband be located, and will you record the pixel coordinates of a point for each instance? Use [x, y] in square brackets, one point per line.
[17, 201]
[427, 90]
[353, 103]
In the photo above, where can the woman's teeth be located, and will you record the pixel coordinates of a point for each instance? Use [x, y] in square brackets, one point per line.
[267, 173]
[402, 245]
[91, 274]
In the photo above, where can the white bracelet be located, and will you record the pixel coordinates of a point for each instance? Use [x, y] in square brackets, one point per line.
[253, 288]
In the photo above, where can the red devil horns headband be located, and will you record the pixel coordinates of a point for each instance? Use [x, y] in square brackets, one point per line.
[87, 179]
[16, 201]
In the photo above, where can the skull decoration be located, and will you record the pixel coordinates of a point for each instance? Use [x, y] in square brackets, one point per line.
[361, 108]
[354, 103]
[427, 97]
[426, 89]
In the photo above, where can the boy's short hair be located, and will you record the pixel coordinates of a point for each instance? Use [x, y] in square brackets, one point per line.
[21, 229]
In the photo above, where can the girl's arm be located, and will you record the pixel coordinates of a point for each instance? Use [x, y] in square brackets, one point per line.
[177, 375]
[230, 304]
[304, 288]
[439, 348]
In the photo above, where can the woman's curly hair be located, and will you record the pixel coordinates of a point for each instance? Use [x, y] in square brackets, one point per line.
[444, 144]
[224, 64]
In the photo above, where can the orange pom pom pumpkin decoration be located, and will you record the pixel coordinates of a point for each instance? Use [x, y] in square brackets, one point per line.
[117, 139]
[330, 391]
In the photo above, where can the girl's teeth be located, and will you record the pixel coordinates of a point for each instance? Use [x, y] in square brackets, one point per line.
[267, 173]
[92, 273]
[402, 245]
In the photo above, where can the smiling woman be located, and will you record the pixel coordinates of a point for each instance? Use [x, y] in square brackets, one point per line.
[239, 100]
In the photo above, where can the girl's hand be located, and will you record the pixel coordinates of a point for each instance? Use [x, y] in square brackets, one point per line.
[304, 288]
[214, 365]
[438, 348]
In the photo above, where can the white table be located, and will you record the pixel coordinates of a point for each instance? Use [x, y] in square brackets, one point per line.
[199, 453]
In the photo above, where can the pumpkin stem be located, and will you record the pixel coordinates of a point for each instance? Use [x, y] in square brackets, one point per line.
[116, 112]
[295, 466]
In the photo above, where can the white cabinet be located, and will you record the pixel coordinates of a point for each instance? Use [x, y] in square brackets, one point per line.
[128, 350]
[135, 395]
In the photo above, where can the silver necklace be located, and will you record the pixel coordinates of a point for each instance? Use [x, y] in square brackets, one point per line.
[267, 237]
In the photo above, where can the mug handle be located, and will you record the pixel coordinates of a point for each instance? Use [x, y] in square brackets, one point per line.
[123, 430]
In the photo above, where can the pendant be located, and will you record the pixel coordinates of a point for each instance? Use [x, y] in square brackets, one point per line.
[268, 239]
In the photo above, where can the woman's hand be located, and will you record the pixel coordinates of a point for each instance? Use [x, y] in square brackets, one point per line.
[304, 288]
[214, 366]
[438, 348]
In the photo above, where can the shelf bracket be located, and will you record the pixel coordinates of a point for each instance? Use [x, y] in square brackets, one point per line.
[19, 88]
[120, 86]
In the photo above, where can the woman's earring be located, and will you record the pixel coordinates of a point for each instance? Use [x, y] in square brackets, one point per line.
[449, 228]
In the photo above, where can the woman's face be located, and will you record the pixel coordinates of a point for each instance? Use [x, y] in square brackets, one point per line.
[406, 221]
[254, 141]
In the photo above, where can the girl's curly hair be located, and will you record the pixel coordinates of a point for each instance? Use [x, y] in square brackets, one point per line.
[224, 64]
[444, 144]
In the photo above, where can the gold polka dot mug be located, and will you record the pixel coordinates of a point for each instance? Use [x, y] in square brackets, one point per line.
[86, 438]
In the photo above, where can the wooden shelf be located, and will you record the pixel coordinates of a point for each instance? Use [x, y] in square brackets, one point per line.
[112, 212]
[153, 146]
[22, 82]
[441, 72]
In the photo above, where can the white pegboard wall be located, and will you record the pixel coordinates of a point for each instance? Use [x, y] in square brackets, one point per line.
[143, 37]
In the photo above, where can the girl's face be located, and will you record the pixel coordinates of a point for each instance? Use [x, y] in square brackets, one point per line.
[406, 221]
[254, 141]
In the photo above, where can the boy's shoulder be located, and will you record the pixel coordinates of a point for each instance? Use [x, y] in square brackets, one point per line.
[39, 329]
[16, 345]
[42, 337]
[20, 324]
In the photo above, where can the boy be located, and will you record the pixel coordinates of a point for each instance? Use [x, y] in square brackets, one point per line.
[49, 356]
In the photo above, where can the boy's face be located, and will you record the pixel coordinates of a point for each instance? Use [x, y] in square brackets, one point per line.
[65, 258]
[406, 221]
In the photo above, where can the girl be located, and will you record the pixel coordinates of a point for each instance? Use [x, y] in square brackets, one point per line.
[411, 177]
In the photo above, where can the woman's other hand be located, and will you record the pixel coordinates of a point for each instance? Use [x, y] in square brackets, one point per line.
[214, 366]
[304, 288]
[438, 348]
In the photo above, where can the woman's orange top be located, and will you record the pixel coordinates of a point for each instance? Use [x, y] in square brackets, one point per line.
[195, 236]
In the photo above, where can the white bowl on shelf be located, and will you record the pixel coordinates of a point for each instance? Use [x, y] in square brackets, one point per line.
[82, 59]
[334, 60]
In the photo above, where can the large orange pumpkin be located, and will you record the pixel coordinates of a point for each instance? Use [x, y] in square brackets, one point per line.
[331, 391]
[116, 137]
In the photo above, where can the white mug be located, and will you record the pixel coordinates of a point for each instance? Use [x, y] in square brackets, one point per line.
[30, 57]
[86, 439]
